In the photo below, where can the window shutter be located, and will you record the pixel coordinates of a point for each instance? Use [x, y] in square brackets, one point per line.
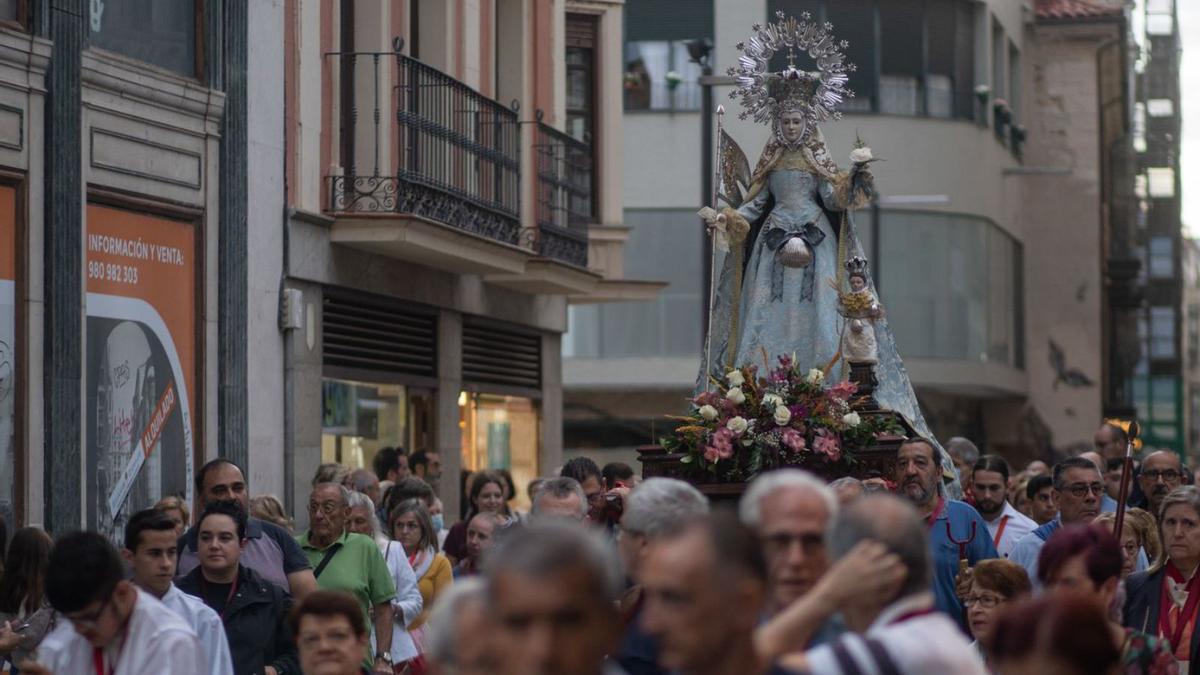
[376, 333]
[497, 353]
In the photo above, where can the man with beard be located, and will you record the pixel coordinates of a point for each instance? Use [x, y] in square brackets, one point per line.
[1077, 489]
[918, 470]
[1161, 472]
[1005, 524]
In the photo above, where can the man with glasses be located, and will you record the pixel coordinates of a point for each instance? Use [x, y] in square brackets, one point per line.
[345, 561]
[956, 530]
[1161, 472]
[1078, 487]
[111, 626]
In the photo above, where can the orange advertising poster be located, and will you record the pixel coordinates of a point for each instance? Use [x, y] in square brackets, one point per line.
[141, 362]
[8, 363]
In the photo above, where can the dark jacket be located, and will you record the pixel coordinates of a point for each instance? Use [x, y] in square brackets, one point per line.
[255, 623]
[1143, 598]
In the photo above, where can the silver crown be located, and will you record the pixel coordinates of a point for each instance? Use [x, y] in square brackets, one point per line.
[761, 91]
[857, 266]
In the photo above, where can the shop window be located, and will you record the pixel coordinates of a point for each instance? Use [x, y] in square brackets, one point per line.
[358, 419]
[501, 432]
[160, 33]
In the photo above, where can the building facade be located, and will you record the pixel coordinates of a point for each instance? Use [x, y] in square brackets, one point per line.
[449, 173]
[1000, 328]
[294, 231]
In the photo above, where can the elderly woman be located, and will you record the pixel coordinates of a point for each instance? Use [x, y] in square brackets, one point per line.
[1084, 561]
[1140, 532]
[410, 525]
[1163, 600]
[994, 584]
[408, 602]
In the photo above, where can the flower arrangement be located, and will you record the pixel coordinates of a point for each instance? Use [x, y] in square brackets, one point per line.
[791, 417]
[673, 79]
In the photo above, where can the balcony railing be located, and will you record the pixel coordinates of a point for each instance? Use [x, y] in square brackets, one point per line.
[456, 152]
[564, 192]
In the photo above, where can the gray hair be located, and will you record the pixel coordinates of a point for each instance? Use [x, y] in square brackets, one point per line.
[341, 488]
[358, 500]
[545, 548]
[442, 639]
[361, 480]
[750, 508]
[892, 522]
[560, 488]
[662, 505]
[964, 449]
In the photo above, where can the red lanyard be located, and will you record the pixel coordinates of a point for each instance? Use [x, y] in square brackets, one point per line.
[937, 511]
[98, 658]
[232, 589]
[1000, 531]
[1188, 615]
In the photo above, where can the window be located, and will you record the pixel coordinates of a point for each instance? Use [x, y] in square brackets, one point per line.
[923, 62]
[1160, 107]
[1160, 182]
[660, 75]
[957, 292]
[159, 33]
[10, 10]
[581, 76]
[1162, 258]
[1160, 24]
[900, 58]
[501, 432]
[1162, 333]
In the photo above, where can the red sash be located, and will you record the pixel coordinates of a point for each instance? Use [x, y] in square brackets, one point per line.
[1000, 531]
[1174, 631]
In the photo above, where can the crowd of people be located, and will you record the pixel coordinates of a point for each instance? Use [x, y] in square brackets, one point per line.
[609, 574]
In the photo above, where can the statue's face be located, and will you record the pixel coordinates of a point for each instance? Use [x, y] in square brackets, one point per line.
[791, 126]
[857, 284]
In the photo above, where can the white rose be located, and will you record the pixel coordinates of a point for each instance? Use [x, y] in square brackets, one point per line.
[708, 412]
[815, 376]
[860, 155]
[734, 378]
[772, 401]
[735, 396]
[782, 416]
[737, 425]
[851, 419]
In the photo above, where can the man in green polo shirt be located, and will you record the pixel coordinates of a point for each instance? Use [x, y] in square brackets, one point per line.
[343, 561]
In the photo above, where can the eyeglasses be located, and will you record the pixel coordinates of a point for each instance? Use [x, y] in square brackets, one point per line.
[1168, 475]
[1081, 490]
[328, 508]
[984, 601]
[407, 527]
[91, 619]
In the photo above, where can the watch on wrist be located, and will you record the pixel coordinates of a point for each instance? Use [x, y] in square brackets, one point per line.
[386, 658]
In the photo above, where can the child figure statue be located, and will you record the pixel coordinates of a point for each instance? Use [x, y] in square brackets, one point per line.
[860, 308]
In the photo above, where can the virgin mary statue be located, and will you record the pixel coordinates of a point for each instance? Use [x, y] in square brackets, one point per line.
[788, 228]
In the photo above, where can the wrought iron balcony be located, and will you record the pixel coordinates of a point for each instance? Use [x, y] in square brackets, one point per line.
[456, 153]
[564, 193]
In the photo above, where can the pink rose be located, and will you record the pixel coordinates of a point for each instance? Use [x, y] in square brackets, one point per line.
[794, 440]
[723, 440]
[711, 454]
[725, 452]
